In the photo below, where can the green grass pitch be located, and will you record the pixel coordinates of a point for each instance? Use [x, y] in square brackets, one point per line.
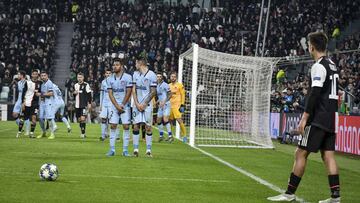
[176, 173]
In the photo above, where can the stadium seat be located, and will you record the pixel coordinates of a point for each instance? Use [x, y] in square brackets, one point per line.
[4, 96]
[5, 89]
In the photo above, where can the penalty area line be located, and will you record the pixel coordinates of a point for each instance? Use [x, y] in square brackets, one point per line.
[242, 171]
[246, 173]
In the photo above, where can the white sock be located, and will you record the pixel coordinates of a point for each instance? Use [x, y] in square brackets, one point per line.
[112, 139]
[117, 133]
[168, 128]
[161, 131]
[103, 129]
[42, 124]
[64, 120]
[126, 138]
[148, 142]
[27, 126]
[53, 125]
[136, 138]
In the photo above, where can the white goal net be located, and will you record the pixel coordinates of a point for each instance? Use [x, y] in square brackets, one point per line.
[228, 98]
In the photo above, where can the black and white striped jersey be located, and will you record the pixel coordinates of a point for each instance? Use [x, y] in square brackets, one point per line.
[83, 98]
[28, 94]
[324, 74]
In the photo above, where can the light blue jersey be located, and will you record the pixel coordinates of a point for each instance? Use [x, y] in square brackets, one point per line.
[104, 94]
[57, 95]
[118, 85]
[162, 91]
[59, 101]
[46, 87]
[47, 108]
[20, 88]
[144, 83]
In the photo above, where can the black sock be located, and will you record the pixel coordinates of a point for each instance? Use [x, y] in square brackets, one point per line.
[334, 184]
[293, 184]
[82, 127]
[21, 124]
[143, 131]
[33, 125]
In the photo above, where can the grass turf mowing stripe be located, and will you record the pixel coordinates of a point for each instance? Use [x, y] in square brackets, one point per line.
[126, 177]
[248, 174]
[242, 171]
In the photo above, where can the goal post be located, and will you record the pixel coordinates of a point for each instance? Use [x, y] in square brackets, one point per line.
[228, 98]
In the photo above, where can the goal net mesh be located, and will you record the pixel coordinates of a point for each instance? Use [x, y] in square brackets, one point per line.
[232, 98]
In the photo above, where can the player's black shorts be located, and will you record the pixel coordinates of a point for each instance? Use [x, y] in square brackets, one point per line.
[315, 139]
[30, 111]
[81, 112]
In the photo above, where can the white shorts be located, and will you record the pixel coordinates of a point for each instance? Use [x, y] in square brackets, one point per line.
[46, 111]
[105, 112]
[114, 116]
[165, 111]
[143, 117]
[17, 107]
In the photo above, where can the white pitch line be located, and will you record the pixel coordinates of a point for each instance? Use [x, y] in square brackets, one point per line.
[128, 177]
[153, 178]
[246, 173]
[4, 130]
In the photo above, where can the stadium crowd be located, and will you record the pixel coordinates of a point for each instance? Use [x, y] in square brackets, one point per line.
[289, 95]
[160, 33]
[27, 38]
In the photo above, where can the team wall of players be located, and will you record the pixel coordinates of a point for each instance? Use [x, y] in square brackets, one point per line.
[124, 99]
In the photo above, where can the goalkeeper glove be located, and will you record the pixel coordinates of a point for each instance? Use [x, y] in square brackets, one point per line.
[182, 108]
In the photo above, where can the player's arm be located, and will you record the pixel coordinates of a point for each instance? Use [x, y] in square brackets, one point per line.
[25, 88]
[127, 95]
[112, 98]
[150, 96]
[24, 92]
[152, 93]
[168, 94]
[182, 96]
[47, 94]
[88, 95]
[318, 75]
[101, 95]
[75, 92]
[135, 95]
[50, 91]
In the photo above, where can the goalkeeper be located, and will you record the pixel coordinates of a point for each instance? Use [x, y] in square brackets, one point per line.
[177, 102]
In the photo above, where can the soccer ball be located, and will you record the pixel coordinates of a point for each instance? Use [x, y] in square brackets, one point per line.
[48, 172]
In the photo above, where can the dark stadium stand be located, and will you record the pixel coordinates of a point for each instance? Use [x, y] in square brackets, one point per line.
[27, 39]
[104, 29]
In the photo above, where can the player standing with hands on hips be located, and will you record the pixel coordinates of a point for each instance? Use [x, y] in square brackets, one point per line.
[318, 125]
